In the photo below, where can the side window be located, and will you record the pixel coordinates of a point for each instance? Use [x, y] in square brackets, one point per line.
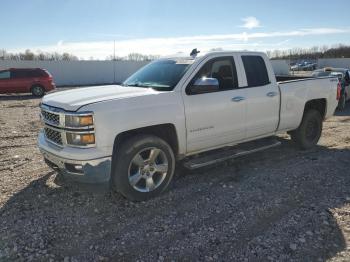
[5, 75]
[19, 74]
[36, 73]
[223, 69]
[255, 70]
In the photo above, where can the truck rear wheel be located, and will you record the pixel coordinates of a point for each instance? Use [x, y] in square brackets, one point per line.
[309, 132]
[143, 167]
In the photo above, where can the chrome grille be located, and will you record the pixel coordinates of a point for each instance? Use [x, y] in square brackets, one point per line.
[53, 136]
[51, 118]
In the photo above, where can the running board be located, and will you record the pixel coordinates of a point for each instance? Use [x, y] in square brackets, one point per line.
[221, 155]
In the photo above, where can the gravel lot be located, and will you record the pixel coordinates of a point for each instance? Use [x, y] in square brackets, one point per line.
[279, 205]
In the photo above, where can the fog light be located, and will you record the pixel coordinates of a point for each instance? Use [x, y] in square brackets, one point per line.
[74, 168]
[78, 167]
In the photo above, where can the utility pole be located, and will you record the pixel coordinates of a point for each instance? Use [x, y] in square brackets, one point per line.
[290, 60]
[114, 62]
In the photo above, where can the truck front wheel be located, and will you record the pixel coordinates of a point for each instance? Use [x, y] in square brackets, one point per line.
[143, 167]
[309, 131]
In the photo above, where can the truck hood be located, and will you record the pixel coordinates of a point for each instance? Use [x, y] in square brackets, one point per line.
[72, 100]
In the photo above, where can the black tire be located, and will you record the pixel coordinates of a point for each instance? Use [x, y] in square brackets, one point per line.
[309, 132]
[124, 165]
[342, 102]
[37, 90]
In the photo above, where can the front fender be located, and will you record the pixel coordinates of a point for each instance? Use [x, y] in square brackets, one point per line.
[114, 117]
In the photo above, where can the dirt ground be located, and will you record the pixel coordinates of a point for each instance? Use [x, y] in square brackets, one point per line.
[279, 205]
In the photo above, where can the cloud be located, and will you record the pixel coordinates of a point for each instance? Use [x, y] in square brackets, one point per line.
[250, 22]
[111, 36]
[172, 45]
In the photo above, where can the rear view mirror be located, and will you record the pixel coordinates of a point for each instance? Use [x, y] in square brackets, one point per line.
[204, 85]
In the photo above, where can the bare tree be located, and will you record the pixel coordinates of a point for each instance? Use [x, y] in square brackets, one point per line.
[28, 55]
[38, 55]
[3, 54]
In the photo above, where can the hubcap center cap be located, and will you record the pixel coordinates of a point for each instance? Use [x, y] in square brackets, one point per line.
[147, 170]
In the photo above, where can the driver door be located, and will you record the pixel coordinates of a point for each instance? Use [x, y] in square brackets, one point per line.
[215, 117]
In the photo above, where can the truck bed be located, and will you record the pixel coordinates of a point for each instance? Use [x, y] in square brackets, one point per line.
[295, 91]
[280, 78]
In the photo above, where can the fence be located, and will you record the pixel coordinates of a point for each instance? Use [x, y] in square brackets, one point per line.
[107, 72]
[321, 63]
[280, 67]
[81, 72]
[338, 63]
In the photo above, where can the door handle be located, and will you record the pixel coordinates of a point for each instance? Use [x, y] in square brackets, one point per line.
[271, 94]
[238, 99]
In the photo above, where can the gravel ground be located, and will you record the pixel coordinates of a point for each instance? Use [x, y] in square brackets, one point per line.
[279, 205]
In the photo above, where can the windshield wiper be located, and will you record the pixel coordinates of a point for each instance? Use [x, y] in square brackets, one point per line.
[136, 85]
[154, 87]
[139, 85]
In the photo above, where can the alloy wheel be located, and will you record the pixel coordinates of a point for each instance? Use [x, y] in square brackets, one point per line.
[148, 169]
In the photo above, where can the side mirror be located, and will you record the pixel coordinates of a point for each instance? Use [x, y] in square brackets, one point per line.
[204, 85]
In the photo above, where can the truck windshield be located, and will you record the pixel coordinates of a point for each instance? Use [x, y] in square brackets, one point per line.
[162, 75]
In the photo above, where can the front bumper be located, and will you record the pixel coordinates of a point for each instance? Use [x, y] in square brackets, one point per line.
[86, 171]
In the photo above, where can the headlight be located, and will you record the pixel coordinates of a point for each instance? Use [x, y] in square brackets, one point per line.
[83, 134]
[79, 121]
[77, 139]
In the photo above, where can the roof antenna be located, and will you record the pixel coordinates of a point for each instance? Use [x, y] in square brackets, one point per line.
[194, 52]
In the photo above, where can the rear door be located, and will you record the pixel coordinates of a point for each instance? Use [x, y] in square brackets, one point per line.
[216, 117]
[5, 86]
[263, 99]
[21, 80]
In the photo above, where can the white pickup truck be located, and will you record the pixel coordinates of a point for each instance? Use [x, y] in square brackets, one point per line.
[194, 110]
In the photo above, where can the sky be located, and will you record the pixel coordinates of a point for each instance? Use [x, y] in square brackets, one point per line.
[88, 28]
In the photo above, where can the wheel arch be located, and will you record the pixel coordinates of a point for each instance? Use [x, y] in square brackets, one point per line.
[36, 84]
[167, 132]
[318, 104]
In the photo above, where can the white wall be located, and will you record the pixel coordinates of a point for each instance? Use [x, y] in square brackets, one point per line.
[102, 72]
[336, 62]
[281, 67]
[81, 72]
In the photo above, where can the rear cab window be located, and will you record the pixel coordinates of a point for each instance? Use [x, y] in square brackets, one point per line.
[255, 70]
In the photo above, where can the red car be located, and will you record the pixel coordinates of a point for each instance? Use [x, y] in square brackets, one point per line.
[26, 80]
